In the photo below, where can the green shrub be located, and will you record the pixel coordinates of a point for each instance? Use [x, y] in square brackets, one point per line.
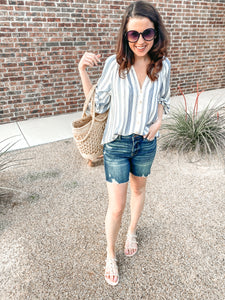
[203, 132]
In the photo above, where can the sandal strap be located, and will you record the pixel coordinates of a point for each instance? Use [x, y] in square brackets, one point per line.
[111, 267]
[132, 238]
[129, 235]
[131, 242]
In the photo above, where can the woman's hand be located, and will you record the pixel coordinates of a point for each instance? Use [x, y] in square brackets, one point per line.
[88, 60]
[153, 130]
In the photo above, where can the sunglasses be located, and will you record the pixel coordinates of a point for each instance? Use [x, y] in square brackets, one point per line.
[133, 36]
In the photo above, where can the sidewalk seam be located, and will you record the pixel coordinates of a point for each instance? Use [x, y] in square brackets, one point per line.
[22, 134]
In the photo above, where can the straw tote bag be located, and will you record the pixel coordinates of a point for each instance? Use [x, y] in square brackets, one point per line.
[88, 131]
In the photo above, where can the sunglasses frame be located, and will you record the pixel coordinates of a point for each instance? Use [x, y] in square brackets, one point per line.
[141, 33]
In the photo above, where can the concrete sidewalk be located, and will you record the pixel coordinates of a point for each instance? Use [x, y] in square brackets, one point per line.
[39, 131]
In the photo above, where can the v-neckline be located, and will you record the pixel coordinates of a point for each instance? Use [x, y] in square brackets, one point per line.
[136, 77]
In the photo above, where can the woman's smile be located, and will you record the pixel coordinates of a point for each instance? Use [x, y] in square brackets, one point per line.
[140, 48]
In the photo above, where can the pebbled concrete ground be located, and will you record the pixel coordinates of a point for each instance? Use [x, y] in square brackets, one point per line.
[52, 241]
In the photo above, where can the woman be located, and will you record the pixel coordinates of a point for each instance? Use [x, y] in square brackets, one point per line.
[134, 86]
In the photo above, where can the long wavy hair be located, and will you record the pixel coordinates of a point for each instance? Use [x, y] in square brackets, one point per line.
[125, 57]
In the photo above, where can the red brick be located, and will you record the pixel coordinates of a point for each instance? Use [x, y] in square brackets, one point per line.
[43, 41]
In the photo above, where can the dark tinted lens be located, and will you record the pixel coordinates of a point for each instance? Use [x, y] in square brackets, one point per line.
[148, 34]
[132, 36]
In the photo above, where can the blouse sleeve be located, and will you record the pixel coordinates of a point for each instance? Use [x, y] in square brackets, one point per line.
[104, 87]
[165, 91]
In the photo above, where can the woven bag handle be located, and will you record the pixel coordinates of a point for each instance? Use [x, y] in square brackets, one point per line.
[90, 98]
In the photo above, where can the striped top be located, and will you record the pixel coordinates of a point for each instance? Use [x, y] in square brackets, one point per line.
[131, 109]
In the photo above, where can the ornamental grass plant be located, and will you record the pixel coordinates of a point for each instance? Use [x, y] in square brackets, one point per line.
[7, 161]
[200, 132]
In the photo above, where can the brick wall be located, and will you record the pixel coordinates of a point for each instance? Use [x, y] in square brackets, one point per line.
[43, 41]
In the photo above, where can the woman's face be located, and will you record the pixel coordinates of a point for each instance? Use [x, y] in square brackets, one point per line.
[141, 47]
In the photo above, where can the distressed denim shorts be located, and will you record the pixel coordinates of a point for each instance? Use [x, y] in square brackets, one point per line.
[128, 154]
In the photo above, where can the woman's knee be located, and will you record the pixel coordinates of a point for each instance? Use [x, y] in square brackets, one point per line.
[138, 185]
[116, 212]
[117, 198]
[138, 192]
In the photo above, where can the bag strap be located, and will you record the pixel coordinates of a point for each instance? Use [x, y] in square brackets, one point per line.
[90, 98]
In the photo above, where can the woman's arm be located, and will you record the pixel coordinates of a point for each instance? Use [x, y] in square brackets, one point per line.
[156, 126]
[163, 103]
[87, 60]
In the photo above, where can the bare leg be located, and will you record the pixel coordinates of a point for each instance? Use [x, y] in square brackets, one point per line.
[138, 185]
[117, 202]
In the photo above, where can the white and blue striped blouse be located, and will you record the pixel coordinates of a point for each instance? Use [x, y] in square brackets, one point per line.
[131, 109]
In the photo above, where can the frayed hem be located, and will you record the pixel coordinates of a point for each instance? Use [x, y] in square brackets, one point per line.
[115, 182]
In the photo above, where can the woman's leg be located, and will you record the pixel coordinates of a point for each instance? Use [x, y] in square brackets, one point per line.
[117, 202]
[138, 186]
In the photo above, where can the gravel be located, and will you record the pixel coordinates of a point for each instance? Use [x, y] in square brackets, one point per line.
[52, 240]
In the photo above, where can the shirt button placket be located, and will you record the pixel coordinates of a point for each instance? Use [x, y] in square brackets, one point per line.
[140, 101]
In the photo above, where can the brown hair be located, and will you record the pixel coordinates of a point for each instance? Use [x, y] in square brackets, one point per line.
[125, 57]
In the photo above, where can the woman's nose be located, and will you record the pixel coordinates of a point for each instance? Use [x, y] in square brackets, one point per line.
[140, 40]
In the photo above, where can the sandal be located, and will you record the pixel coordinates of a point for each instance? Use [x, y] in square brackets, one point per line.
[111, 270]
[131, 244]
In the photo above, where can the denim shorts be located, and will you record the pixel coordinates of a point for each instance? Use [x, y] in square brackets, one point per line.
[128, 154]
